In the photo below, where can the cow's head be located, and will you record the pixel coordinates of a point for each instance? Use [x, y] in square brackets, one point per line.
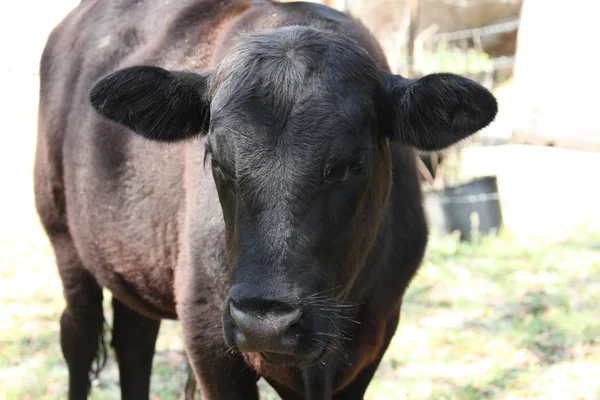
[298, 125]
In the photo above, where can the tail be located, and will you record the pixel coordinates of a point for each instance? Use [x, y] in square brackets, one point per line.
[101, 354]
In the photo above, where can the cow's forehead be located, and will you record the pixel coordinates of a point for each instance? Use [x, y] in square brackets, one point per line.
[296, 64]
[299, 84]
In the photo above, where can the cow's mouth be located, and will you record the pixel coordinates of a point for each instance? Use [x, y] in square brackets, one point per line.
[298, 360]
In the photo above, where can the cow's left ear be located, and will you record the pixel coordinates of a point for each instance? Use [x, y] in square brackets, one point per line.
[438, 110]
[155, 103]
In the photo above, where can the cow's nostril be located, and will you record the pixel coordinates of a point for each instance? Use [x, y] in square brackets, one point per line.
[266, 330]
[293, 330]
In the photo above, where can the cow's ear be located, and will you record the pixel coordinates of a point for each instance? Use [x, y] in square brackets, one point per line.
[438, 110]
[155, 103]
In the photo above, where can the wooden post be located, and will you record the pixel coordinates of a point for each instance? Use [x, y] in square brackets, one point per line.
[413, 9]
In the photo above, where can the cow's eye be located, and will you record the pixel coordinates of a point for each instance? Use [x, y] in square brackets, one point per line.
[342, 172]
[338, 173]
[357, 164]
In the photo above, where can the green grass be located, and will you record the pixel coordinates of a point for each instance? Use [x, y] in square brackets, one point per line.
[494, 319]
[498, 319]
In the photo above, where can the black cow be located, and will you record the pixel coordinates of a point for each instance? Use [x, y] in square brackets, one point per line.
[248, 169]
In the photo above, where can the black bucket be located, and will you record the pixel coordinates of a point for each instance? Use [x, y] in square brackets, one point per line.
[468, 208]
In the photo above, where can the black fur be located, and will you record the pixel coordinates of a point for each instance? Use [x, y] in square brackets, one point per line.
[438, 110]
[157, 104]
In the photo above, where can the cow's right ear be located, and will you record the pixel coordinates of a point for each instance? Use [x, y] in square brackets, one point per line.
[438, 110]
[155, 103]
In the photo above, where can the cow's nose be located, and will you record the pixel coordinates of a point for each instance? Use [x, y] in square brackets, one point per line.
[276, 330]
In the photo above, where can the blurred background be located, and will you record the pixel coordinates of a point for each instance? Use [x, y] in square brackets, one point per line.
[506, 303]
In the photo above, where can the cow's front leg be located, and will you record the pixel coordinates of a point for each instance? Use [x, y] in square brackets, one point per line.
[220, 374]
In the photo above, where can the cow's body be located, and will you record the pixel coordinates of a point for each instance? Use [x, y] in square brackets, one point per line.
[143, 219]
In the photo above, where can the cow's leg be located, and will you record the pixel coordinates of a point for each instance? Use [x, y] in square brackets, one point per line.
[134, 339]
[220, 374]
[190, 384]
[82, 321]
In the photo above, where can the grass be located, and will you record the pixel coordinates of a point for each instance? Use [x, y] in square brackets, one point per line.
[500, 320]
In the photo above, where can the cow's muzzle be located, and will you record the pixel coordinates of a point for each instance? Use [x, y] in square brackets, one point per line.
[281, 332]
